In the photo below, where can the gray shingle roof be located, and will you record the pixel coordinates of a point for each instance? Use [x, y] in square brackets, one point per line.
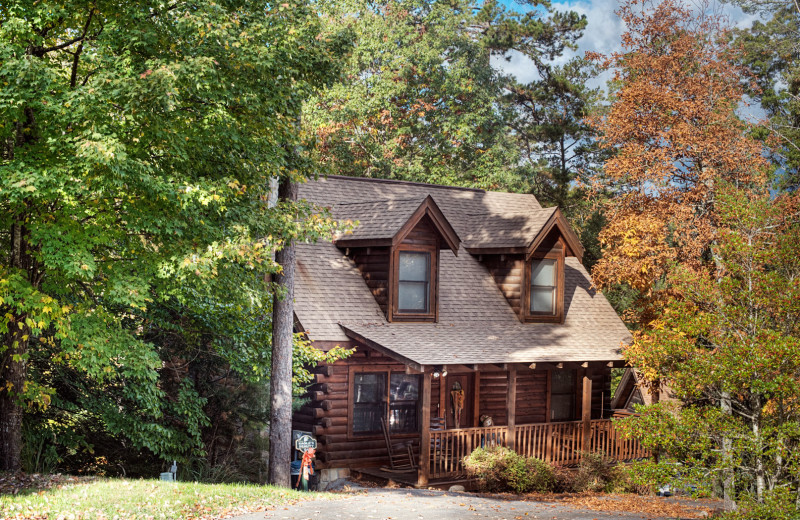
[476, 323]
[377, 219]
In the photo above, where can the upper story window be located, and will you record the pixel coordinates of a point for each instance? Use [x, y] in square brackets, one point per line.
[414, 282]
[414, 291]
[544, 288]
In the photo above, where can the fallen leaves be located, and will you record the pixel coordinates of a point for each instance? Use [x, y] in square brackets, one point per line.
[646, 505]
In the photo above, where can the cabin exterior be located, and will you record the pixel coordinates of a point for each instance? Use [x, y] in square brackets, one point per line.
[461, 304]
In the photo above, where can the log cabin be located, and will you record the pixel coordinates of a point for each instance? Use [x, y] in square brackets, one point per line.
[461, 305]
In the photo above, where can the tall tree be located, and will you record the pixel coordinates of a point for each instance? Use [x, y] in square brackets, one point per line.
[732, 331]
[420, 100]
[678, 142]
[559, 150]
[137, 144]
[280, 424]
[772, 51]
[676, 136]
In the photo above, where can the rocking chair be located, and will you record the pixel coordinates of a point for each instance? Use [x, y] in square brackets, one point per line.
[401, 454]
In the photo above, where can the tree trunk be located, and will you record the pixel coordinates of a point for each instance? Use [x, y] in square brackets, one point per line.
[12, 378]
[12, 361]
[728, 481]
[280, 425]
[759, 446]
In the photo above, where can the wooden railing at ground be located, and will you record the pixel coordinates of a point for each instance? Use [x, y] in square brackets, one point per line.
[558, 443]
[449, 447]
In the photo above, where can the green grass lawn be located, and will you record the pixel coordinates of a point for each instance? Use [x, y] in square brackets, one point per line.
[124, 499]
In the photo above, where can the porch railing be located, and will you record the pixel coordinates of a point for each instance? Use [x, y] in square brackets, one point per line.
[558, 443]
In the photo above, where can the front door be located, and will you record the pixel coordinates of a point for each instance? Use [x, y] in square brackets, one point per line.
[459, 400]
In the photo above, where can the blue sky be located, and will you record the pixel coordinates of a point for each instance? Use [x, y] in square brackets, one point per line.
[603, 31]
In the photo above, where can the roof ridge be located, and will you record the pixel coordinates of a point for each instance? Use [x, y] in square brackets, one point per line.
[375, 201]
[507, 212]
[409, 183]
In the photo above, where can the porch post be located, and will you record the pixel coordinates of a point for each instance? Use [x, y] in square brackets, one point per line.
[586, 410]
[424, 470]
[511, 404]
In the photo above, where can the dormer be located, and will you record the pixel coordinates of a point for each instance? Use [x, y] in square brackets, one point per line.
[530, 270]
[396, 247]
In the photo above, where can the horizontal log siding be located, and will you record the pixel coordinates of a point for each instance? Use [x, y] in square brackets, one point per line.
[492, 398]
[507, 271]
[326, 414]
[531, 403]
[373, 263]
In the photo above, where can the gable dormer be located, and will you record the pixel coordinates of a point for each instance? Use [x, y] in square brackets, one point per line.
[396, 247]
[530, 273]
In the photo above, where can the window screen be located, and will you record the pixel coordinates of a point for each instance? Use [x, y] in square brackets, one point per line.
[543, 286]
[404, 403]
[369, 397]
[562, 395]
[414, 278]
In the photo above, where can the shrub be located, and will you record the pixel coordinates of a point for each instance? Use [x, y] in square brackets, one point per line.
[593, 474]
[501, 469]
[647, 476]
[779, 504]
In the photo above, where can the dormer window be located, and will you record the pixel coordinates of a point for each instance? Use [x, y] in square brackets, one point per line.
[396, 247]
[544, 288]
[415, 283]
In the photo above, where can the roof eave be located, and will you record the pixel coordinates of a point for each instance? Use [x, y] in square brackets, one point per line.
[443, 226]
[383, 350]
[557, 219]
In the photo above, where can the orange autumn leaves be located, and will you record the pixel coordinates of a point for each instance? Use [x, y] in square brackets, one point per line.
[677, 140]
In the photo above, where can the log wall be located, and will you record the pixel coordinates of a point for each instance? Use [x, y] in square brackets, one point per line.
[493, 395]
[326, 413]
[531, 403]
[373, 263]
[507, 271]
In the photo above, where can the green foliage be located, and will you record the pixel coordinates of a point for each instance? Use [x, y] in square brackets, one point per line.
[727, 344]
[137, 144]
[772, 52]
[501, 469]
[649, 476]
[419, 99]
[778, 504]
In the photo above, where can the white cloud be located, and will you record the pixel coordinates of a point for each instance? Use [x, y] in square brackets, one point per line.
[602, 34]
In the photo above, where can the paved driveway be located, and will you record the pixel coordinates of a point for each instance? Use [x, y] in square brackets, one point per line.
[413, 504]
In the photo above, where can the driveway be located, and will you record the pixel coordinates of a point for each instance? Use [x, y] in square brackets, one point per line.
[414, 504]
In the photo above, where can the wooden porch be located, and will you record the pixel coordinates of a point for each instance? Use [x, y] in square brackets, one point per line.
[560, 443]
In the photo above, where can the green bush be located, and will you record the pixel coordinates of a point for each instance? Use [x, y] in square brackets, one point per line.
[645, 477]
[779, 504]
[501, 469]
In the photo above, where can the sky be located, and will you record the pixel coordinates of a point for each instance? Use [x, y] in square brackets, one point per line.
[602, 33]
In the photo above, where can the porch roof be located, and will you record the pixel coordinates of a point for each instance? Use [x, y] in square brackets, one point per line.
[426, 344]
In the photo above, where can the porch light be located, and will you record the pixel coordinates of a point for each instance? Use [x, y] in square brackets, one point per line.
[439, 371]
